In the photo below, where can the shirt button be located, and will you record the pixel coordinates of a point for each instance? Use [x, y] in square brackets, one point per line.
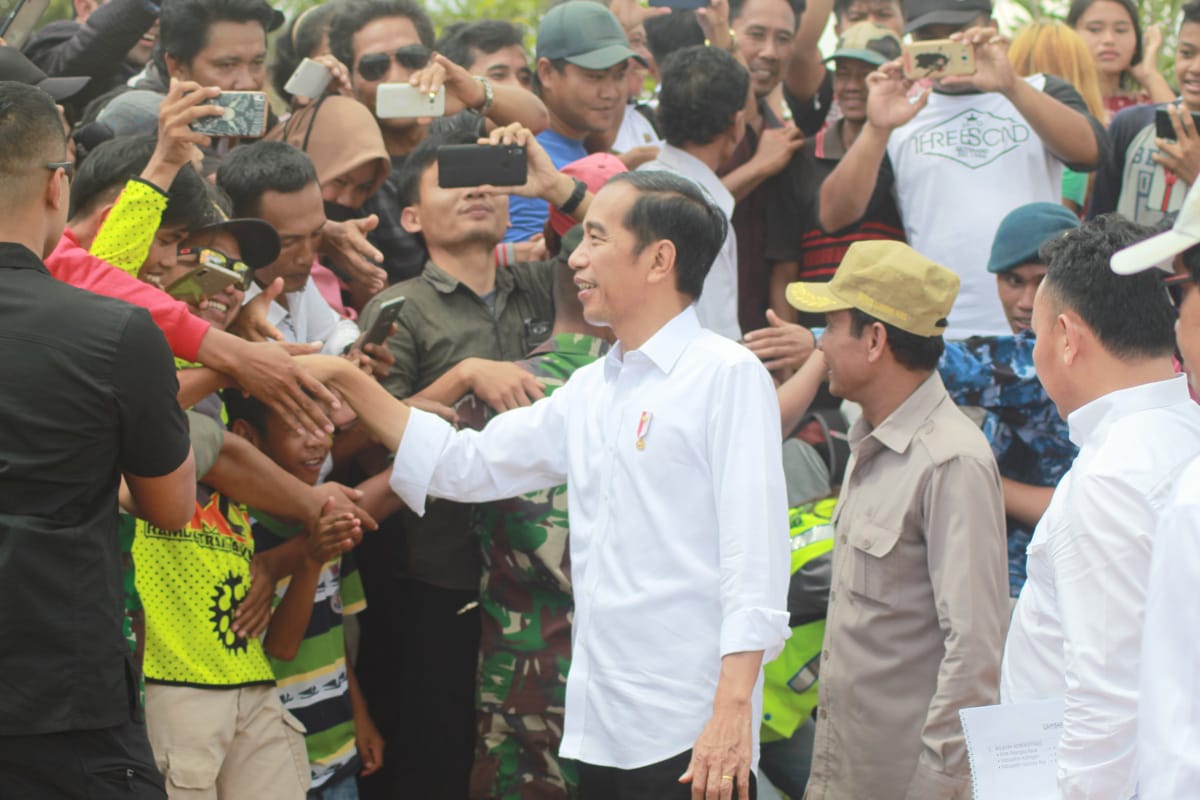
[867, 544]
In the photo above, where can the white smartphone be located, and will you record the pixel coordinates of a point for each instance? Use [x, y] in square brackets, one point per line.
[309, 80]
[401, 100]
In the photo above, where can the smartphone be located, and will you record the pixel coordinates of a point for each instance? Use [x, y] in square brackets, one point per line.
[938, 58]
[1163, 128]
[461, 165]
[389, 312]
[245, 116]
[309, 80]
[688, 4]
[204, 281]
[402, 100]
[21, 21]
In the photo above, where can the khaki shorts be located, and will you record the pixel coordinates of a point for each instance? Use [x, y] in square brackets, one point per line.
[226, 743]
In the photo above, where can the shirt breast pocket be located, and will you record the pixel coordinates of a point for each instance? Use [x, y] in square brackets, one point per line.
[874, 574]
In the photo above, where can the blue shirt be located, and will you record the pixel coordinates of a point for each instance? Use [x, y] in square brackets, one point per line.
[528, 215]
[1028, 437]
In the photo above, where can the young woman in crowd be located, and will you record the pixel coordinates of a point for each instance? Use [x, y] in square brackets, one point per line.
[1126, 62]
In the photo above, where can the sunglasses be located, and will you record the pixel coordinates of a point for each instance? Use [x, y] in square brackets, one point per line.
[215, 259]
[1175, 286]
[374, 66]
[66, 166]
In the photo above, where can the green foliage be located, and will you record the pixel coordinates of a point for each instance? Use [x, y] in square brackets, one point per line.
[525, 13]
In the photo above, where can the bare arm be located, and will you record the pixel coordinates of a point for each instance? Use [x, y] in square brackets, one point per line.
[500, 384]
[198, 383]
[383, 415]
[725, 745]
[167, 501]
[796, 395]
[1025, 502]
[805, 70]
[290, 619]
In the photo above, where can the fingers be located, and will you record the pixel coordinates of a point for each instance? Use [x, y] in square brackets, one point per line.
[743, 782]
[253, 614]
[301, 348]
[307, 409]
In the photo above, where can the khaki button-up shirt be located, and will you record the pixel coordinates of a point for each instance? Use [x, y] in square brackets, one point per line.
[917, 608]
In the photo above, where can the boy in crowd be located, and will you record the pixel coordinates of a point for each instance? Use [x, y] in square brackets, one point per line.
[305, 642]
[1146, 176]
[491, 48]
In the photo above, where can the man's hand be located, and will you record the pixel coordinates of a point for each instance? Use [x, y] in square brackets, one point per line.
[251, 321]
[503, 385]
[369, 742]
[993, 71]
[253, 614]
[374, 359]
[776, 146]
[346, 247]
[1182, 156]
[1147, 68]
[335, 533]
[888, 103]
[462, 90]
[714, 23]
[634, 157]
[722, 754]
[177, 142]
[434, 407]
[543, 178]
[345, 501]
[266, 371]
[781, 345]
[339, 81]
[631, 13]
[532, 250]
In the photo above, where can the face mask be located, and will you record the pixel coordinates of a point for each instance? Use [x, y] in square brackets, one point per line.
[339, 213]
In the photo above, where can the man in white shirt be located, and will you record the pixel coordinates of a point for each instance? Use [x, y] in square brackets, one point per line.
[280, 183]
[1104, 355]
[701, 114]
[670, 447]
[1169, 689]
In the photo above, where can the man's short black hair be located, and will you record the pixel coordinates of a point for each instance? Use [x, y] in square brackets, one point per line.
[31, 132]
[1131, 315]
[485, 36]
[703, 88]
[115, 162]
[917, 353]
[297, 41]
[183, 31]
[671, 32]
[674, 208]
[239, 405]
[841, 7]
[354, 15]
[252, 170]
[798, 7]
[1190, 12]
[464, 128]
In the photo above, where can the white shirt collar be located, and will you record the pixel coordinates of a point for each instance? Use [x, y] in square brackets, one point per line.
[689, 166]
[1089, 421]
[662, 349]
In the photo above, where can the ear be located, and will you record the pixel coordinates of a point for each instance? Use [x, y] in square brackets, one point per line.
[176, 68]
[1075, 335]
[410, 220]
[662, 261]
[247, 431]
[876, 337]
[58, 193]
[545, 70]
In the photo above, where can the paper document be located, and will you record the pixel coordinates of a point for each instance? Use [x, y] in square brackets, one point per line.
[1013, 749]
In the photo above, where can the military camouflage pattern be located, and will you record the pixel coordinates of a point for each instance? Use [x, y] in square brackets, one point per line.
[1028, 437]
[516, 758]
[525, 599]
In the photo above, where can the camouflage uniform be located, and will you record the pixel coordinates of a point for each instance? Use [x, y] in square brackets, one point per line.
[1028, 437]
[525, 641]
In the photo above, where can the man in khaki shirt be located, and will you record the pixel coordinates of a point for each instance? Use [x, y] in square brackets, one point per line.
[919, 595]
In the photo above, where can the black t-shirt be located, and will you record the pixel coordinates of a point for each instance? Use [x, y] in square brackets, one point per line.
[89, 392]
[810, 115]
[404, 254]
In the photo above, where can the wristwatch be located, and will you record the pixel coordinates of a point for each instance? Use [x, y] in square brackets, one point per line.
[577, 195]
[489, 96]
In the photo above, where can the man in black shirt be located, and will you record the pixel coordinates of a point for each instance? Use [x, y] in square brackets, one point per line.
[89, 398]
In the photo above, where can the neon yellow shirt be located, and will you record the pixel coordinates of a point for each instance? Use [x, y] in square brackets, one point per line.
[125, 237]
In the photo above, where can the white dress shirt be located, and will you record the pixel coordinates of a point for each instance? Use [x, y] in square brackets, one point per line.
[1077, 628]
[718, 303]
[309, 318]
[1169, 695]
[679, 548]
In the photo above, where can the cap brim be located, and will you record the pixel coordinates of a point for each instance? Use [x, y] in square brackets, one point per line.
[944, 16]
[869, 56]
[257, 240]
[1157, 251]
[605, 57]
[63, 88]
[815, 298]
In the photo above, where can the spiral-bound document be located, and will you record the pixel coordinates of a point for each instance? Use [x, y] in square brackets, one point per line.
[1013, 749]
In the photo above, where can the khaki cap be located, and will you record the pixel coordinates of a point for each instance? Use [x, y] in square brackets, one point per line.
[889, 281]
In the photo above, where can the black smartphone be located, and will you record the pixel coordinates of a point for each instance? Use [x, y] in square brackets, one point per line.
[687, 4]
[389, 312]
[1163, 128]
[245, 115]
[462, 165]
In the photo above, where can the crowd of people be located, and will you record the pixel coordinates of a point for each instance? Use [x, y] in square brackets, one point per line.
[787, 404]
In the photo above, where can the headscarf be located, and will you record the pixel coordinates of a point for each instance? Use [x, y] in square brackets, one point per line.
[339, 134]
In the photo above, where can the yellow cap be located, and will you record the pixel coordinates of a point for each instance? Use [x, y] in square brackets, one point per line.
[889, 281]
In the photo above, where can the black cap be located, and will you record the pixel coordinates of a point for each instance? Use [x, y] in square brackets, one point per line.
[920, 13]
[256, 238]
[16, 67]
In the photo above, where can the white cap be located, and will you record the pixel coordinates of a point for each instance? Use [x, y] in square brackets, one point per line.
[1160, 251]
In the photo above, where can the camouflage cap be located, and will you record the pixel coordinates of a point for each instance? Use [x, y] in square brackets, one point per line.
[869, 42]
[889, 281]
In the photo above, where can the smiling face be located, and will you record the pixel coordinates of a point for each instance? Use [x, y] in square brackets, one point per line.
[453, 218]
[385, 35]
[1017, 288]
[300, 453]
[233, 58]
[1187, 65]
[298, 218]
[583, 101]
[1108, 31]
[168, 266]
[764, 32]
[850, 87]
[609, 271]
[846, 355]
[508, 66]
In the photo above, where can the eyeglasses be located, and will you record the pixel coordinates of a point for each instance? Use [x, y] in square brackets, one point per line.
[215, 259]
[374, 66]
[66, 166]
[1175, 286]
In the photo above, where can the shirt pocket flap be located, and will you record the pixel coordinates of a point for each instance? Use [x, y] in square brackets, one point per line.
[873, 539]
[192, 768]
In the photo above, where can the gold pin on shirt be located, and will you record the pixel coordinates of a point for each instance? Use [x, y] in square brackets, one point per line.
[643, 428]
